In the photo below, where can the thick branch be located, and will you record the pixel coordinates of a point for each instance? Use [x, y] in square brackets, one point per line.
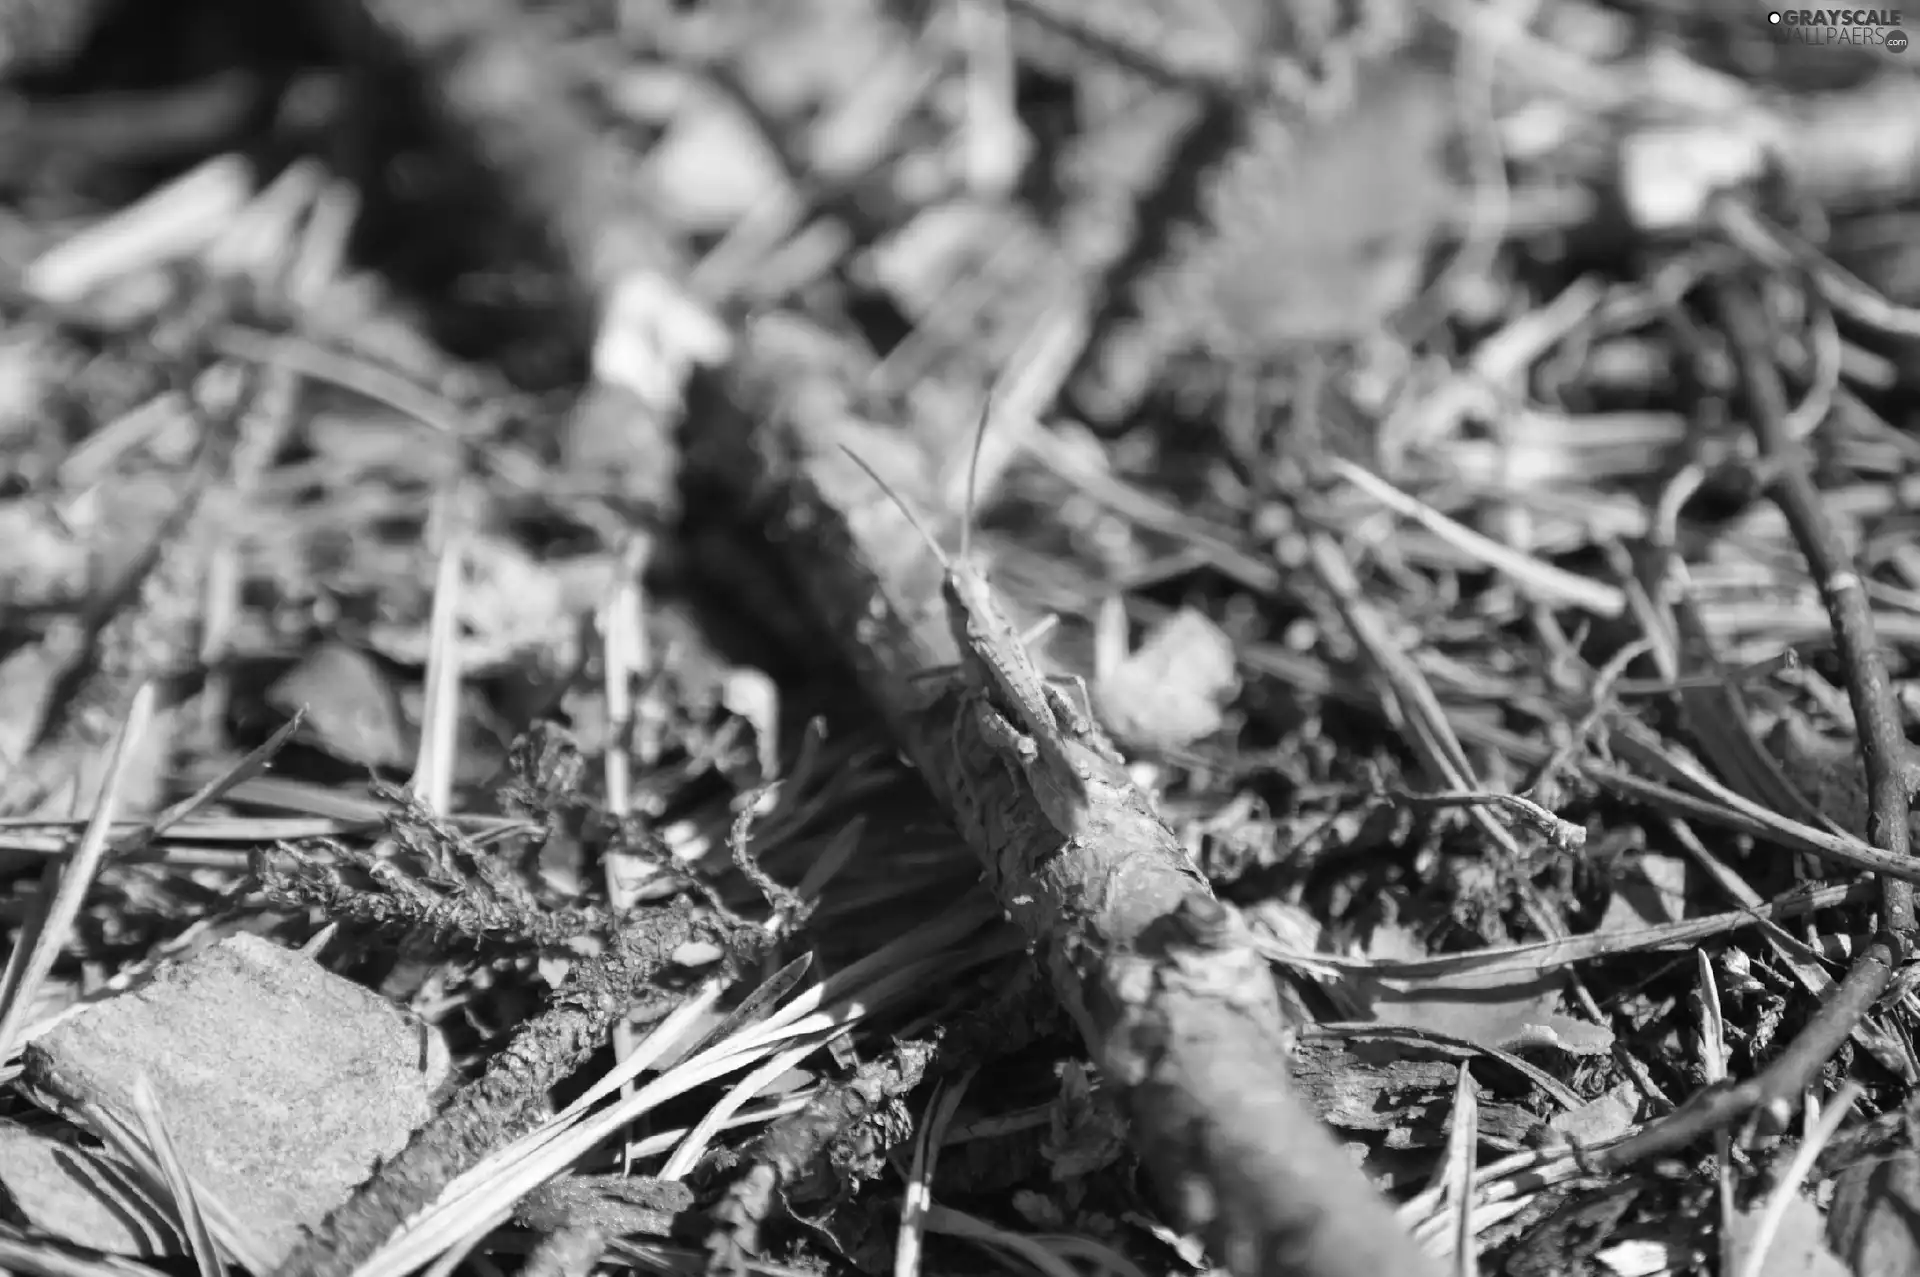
[1179, 1012]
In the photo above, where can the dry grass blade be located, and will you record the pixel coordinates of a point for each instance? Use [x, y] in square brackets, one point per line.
[827, 865]
[173, 222]
[757, 1004]
[1552, 585]
[1420, 712]
[40, 1257]
[1211, 545]
[1717, 713]
[1561, 834]
[694, 1147]
[254, 762]
[1713, 1067]
[1036, 1252]
[626, 659]
[46, 932]
[345, 812]
[1796, 956]
[485, 1196]
[1640, 746]
[992, 129]
[488, 1190]
[180, 1185]
[941, 1107]
[1023, 389]
[1545, 955]
[1784, 1193]
[433, 771]
[1463, 1138]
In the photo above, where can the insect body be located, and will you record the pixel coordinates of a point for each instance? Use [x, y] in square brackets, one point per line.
[1024, 715]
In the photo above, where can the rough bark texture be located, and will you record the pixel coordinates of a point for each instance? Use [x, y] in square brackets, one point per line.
[1179, 1012]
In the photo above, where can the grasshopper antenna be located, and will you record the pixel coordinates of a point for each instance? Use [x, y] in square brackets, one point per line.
[973, 477]
[905, 509]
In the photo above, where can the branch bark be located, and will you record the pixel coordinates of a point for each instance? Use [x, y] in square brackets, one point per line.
[1179, 1012]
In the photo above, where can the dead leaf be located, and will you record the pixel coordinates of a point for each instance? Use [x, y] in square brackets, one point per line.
[1508, 1011]
[1650, 892]
[352, 711]
[1174, 689]
[1799, 1247]
[1602, 1118]
[1871, 1224]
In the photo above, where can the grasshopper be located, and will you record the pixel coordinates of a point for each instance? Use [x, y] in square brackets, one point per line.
[1044, 733]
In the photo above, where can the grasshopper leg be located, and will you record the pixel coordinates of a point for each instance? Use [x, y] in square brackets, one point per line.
[1079, 716]
[1005, 736]
[1040, 629]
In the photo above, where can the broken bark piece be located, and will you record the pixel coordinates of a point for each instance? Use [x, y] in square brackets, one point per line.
[1176, 1007]
[80, 1196]
[282, 1084]
[621, 1206]
[578, 1216]
[1402, 1090]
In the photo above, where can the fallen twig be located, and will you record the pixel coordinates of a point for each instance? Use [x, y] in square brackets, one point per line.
[1164, 984]
[1882, 742]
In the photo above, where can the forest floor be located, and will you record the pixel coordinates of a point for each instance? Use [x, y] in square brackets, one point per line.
[999, 635]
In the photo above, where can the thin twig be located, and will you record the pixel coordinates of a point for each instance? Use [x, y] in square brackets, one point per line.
[1883, 744]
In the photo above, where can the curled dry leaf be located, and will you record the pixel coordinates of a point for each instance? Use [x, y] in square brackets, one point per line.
[1173, 690]
[1870, 1224]
[1606, 1117]
[352, 710]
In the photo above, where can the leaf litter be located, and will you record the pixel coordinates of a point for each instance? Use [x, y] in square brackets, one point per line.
[1460, 586]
